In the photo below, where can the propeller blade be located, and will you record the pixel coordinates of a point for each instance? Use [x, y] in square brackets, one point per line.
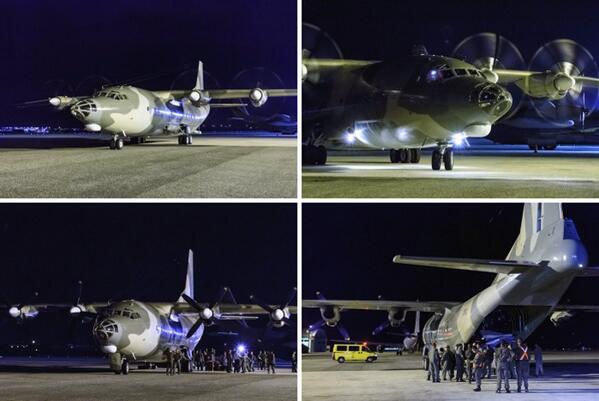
[192, 302]
[261, 304]
[289, 322]
[219, 298]
[194, 328]
[317, 325]
[343, 331]
[290, 298]
[380, 328]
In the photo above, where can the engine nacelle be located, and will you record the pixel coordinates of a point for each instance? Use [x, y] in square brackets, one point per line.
[76, 310]
[549, 84]
[561, 317]
[198, 97]
[395, 319]
[62, 101]
[23, 312]
[331, 315]
[258, 97]
[278, 317]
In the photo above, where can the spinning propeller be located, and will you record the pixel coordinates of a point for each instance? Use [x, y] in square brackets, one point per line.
[568, 59]
[207, 315]
[333, 321]
[279, 315]
[488, 51]
[261, 79]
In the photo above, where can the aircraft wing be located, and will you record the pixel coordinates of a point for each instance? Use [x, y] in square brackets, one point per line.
[230, 309]
[434, 306]
[244, 93]
[509, 76]
[478, 265]
[581, 308]
[589, 272]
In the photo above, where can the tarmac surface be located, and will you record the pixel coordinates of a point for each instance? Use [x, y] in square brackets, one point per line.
[484, 172]
[213, 167]
[568, 376]
[89, 383]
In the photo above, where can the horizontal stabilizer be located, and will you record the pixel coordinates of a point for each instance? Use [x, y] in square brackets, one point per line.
[477, 265]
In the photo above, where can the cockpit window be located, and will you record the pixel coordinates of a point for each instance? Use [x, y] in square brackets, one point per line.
[461, 71]
[434, 75]
[111, 94]
[135, 315]
[473, 72]
[447, 74]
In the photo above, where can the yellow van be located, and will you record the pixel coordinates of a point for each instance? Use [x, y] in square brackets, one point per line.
[353, 353]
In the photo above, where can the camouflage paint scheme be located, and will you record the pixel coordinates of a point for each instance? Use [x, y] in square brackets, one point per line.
[539, 268]
[140, 113]
[397, 104]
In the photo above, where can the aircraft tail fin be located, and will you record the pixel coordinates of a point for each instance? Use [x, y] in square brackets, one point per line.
[200, 77]
[189, 285]
[537, 218]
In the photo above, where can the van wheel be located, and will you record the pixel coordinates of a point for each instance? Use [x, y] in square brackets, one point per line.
[341, 359]
[369, 360]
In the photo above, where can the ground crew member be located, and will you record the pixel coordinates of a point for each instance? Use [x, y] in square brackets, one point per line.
[294, 362]
[435, 363]
[502, 362]
[270, 361]
[448, 363]
[169, 361]
[425, 364]
[522, 365]
[459, 364]
[177, 356]
[470, 352]
[538, 360]
[229, 360]
[489, 361]
[479, 366]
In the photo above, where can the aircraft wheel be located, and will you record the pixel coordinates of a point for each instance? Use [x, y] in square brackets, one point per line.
[448, 159]
[436, 159]
[321, 155]
[125, 367]
[394, 156]
[404, 155]
[415, 155]
[188, 140]
[112, 144]
[341, 359]
[117, 372]
[119, 144]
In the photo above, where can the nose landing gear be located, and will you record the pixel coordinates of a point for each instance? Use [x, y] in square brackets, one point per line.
[116, 143]
[185, 139]
[443, 154]
[405, 155]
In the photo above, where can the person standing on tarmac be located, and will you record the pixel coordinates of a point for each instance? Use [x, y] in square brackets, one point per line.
[177, 356]
[229, 360]
[538, 360]
[425, 361]
[502, 362]
[459, 363]
[435, 363]
[469, 355]
[169, 362]
[479, 367]
[294, 362]
[522, 365]
[270, 362]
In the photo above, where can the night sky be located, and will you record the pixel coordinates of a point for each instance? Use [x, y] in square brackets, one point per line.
[387, 29]
[348, 251]
[45, 41]
[140, 251]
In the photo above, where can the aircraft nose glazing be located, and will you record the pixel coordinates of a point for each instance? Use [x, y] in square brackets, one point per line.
[83, 109]
[108, 331]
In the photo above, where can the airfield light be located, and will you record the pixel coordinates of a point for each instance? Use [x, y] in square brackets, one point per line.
[241, 348]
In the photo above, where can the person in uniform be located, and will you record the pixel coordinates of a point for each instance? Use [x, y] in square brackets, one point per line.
[469, 354]
[294, 362]
[459, 363]
[435, 363]
[270, 361]
[489, 361]
[479, 365]
[502, 362]
[425, 364]
[168, 355]
[538, 360]
[229, 360]
[177, 356]
[522, 365]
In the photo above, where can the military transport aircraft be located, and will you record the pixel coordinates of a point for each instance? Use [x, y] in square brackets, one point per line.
[424, 100]
[132, 113]
[528, 284]
[132, 331]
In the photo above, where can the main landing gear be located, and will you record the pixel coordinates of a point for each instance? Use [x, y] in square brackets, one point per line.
[314, 155]
[185, 139]
[116, 143]
[404, 155]
[443, 154]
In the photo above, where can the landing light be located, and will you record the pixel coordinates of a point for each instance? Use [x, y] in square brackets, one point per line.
[459, 139]
[350, 138]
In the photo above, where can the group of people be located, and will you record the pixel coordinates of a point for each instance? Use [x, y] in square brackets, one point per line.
[475, 362]
[174, 356]
[234, 361]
